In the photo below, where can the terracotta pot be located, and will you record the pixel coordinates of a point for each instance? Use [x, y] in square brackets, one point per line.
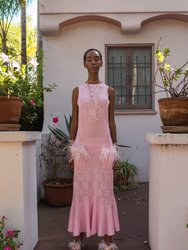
[174, 111]
[10, 112]
[58, 194]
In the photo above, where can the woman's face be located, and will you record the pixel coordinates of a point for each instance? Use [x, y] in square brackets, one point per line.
[93, 61]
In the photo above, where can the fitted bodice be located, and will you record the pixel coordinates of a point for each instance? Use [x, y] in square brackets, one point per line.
[93, 103]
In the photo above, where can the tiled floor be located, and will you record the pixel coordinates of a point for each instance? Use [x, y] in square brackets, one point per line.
[133, 215]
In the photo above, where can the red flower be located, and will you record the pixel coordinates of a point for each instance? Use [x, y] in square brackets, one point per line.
[32, 102]
[7, 248]
[55, 119]
[9, 233]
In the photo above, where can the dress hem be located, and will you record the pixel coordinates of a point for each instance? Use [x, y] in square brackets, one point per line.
[92, 234]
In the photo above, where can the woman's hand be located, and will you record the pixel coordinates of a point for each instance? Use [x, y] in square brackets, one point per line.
[71, 164]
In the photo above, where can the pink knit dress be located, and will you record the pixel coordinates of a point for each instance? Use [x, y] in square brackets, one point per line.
[93, 209]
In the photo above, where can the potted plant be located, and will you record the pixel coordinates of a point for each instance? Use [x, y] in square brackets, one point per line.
[55, 155]
[21, 94]
[122, 174]
[8, 237]
[174, 108]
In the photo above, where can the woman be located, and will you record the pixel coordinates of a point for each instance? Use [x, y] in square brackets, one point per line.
[94, 154]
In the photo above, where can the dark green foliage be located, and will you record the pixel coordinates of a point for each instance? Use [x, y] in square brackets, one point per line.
[55, 152]
[122, 173]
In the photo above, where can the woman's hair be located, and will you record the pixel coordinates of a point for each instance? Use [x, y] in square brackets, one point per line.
[92, 50]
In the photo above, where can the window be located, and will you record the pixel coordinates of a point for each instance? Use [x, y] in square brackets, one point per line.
[129, 72]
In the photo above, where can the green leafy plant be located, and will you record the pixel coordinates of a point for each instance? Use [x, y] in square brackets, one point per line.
[55, 152]
[23, 81]
[58, 132]
[174, 80]
[55, 158]
[8, 237]
[122, 173]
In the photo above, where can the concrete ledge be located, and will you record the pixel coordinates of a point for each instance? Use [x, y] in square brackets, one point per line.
[162, 139]
[19, 136]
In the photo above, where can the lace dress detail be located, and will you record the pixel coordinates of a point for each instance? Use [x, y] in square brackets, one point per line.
[93, 208]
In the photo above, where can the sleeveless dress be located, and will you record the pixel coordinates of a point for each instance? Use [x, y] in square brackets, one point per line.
[93, 209]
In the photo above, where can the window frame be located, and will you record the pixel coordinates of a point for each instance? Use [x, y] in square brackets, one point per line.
[134, 108]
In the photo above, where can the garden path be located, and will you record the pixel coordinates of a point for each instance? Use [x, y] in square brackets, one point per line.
[133, 215]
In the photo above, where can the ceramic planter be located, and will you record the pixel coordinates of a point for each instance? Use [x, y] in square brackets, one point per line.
[174, 114]
[10, 112]
[58, 194]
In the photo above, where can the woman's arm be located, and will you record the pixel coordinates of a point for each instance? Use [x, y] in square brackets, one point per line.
[111, 119]
[74, 122]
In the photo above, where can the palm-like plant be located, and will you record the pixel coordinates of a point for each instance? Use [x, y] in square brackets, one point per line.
[23, 33]
[59, 133]
[123, 171]
[23, 5]
[8, 9]
[14, 41]
[55, 153]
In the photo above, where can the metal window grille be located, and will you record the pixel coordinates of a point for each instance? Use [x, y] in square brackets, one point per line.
[129, 72]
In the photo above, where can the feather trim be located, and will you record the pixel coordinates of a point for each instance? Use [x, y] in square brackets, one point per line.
[77, 151]
[76, 245]
[109, 153]
[104, 246]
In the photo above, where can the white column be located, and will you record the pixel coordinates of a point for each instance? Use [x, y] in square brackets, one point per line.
[18, 185]
[168, 191]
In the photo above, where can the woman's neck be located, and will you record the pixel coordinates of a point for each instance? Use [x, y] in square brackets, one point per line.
[93, 80]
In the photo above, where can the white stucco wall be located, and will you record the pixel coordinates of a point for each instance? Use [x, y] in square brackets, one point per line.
[64, 66]
[18, 184]
[168, 189]
[111, 6]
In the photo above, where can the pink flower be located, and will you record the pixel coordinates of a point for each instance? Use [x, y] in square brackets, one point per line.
[7, 248]
[9, 233]
[55, 119]
[32, 102]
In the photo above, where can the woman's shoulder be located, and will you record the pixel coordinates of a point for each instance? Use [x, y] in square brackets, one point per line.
[78, 86]
[81, 85]
[110, 88]
[111, 91]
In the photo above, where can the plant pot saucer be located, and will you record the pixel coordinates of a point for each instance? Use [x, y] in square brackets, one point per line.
[10, 127]
[175, 129]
